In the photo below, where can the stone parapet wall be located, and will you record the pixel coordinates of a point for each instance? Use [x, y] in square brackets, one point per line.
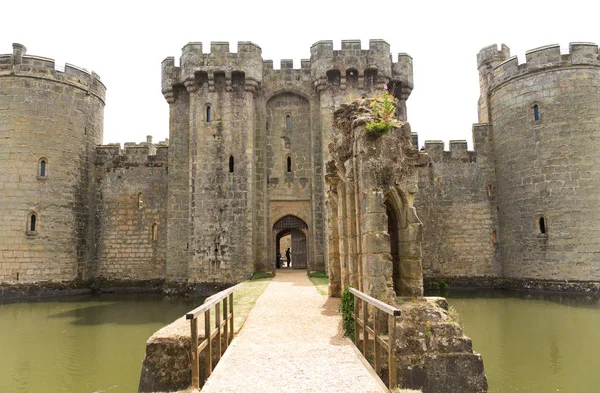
[456, 203]
[131, 229]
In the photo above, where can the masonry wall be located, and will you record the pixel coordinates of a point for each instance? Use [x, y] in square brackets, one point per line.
[549, 168]
[56, 117]
[456, 204]
[132, 212]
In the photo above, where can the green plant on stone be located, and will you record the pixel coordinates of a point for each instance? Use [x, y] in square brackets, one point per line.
[384, 113]
[428, 329]
[346, 309]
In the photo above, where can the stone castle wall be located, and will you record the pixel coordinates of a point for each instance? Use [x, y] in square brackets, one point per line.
[54, 117]
[546, 121]
[131, 226]
[455, 204]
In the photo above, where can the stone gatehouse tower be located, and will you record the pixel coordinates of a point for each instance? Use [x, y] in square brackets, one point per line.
[247, 148]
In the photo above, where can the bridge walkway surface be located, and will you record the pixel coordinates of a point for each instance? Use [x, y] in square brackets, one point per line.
[292, 342]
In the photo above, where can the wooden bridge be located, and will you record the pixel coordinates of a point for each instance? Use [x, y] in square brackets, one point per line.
[291, 342]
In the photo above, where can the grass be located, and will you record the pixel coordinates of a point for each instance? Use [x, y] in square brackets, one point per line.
[245, 297]
[320, 281]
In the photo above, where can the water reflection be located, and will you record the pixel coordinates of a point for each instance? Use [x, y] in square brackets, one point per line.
[80, 344]
[533, 342]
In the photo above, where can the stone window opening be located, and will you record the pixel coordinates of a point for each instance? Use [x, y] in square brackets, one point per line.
[542, 225]
[334, 77]
[208, 113]
[289, 164]
[32, 224]
[370, 77]
[43, 167]
[238, 81]
[490, 190]
[231, 164]
[140, 201]
[154, 232]
[288, 122]
[352, 78]
[536, 112]
[494, 237]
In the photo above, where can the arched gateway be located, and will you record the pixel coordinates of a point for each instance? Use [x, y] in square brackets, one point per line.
[297, 229]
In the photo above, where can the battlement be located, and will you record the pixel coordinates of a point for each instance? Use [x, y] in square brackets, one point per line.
[545, 58]
[221, 70]
[236, 71]
[134, 154]
[491, 54]
[20, 64]
[458, 151]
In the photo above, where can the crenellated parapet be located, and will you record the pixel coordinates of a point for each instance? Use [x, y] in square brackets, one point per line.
[219, 69]
[287, 71]
[458, 151]
[542, 59]
[357, 67]
[134, 154]
[20, 64]
[352, 66]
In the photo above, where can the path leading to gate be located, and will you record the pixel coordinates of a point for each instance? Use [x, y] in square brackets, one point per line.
[292, 342]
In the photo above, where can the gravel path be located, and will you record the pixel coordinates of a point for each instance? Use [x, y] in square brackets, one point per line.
[292, 342]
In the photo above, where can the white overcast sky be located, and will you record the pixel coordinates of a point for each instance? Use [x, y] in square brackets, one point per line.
[125, 42]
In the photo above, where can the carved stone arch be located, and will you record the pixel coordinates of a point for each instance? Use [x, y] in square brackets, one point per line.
[397, 199]
[405, 233]
[270, 93]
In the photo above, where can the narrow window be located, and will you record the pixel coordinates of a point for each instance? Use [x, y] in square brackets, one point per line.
[208, 113]
[140, 200]
[231, 164]
[536, 112]
[154, 232]
[43, 168]
[494, 237]
[289, 164]
[489, 190]
[288, 122]
[32, 222]
[542, 225]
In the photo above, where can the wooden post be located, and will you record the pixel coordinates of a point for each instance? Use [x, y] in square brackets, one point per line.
[356, 316]
[209, 346]
[226, 320]
[194, 353]
[365, 317]
[376, 348]
[392, 351]
[218, 325]
[232, 330]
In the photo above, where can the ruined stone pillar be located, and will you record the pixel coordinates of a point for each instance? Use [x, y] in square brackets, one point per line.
[351, 234]
[333, 265]
[343, 235]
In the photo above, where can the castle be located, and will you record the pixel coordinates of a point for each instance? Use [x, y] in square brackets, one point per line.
[246, 159]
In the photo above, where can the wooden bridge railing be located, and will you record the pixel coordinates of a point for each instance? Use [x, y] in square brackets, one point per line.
[222, 331]
[374, 332]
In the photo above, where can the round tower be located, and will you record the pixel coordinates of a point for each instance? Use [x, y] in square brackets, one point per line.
[50, 124]
[545, 115]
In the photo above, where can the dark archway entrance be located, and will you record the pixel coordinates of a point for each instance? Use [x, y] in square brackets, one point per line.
[296, 228]
[393, 227]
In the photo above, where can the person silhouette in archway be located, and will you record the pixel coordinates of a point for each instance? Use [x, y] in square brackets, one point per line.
[288, 257]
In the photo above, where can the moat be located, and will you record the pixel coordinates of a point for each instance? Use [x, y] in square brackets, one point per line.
[82, 343]
[529, 342]
[533, 342]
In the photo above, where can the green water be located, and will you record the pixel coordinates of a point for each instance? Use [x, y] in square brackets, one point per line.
[82, 343]
[539, 343]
